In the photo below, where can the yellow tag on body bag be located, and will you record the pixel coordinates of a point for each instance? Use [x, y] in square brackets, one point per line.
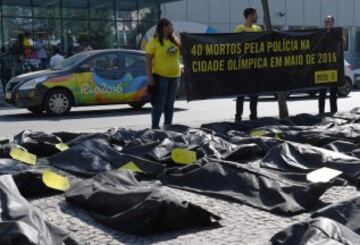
[183, 156]
[258, 133]
[131, 166]
[23, 156]
[55, 181]
[62, 147]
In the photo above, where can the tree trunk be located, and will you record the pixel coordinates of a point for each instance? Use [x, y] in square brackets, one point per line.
[283, 109]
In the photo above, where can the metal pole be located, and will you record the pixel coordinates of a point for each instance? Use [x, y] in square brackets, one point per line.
[281, 96]
[2, 25]
[62, 45]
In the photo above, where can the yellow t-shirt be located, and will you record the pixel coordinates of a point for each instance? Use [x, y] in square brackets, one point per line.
[253, 28]
[166, 61]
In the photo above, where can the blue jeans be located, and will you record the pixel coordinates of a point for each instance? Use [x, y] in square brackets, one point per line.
[163, 99]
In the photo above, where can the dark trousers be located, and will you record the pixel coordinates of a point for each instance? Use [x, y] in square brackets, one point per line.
[333, 100]
[163, 100]
[44, 63]
[240, 107]
[5, 77]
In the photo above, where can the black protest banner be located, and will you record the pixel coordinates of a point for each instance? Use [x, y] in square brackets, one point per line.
[218, 65]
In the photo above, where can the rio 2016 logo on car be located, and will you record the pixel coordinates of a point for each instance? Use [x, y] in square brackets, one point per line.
[103, 88]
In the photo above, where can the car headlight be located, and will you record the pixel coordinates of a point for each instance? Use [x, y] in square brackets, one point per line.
[31, 84]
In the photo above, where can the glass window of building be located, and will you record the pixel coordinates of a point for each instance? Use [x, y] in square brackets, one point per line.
[75, 36]
[143, 28]
[148, 12]
[78, 9]
[14, 31]
[48, 29]
[102, 34]
[73, 25]
[46, 9]
[17, 8]
[102, 9]
[127, 34]
[126, 10]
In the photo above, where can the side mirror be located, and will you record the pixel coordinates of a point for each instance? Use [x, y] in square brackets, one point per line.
[83, 68]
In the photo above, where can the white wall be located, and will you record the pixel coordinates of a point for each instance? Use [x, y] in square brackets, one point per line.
[228, 13]
[277, 7]
[224, 15]
[294, 13]
[356, 11]
[199, 11]
[312, 12]
[346, 12]
[236, 7]
[175, 10]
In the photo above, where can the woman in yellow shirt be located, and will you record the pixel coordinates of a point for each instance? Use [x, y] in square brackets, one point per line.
[163, 70]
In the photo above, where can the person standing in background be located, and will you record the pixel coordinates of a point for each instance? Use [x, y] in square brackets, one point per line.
[56, 59]
[163, 71]
[329, 22]
[40, 49]
[28, 44]
[251, 18]
[6, 67]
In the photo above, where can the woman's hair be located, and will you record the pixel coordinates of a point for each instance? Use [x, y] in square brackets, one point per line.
[56, 50]
[159, 32]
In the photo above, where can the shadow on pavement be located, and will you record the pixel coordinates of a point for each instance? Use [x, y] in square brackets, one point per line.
[97, 113]
[295, 97]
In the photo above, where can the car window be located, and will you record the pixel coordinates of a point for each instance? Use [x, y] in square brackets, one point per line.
[71, 61]
[134, 62]
[106, 62]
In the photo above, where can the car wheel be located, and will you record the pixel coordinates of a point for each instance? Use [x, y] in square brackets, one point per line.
[36, 109]
[58, 102]
[137, 105]
[345, 90]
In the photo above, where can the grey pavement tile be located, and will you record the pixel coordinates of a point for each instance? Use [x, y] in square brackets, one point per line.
[241, 224]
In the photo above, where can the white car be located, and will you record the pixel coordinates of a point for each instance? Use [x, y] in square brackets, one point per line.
[345, 90]
[357, 78]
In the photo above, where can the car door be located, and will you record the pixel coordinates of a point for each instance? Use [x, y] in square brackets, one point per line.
[100, 80]
[133, 66]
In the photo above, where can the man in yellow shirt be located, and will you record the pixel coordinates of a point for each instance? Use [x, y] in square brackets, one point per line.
[251, 18]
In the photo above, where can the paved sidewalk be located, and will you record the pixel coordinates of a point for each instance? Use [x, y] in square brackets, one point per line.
[241, 224]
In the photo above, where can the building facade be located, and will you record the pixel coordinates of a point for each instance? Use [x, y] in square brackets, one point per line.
[71, 23]
[224, 15]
